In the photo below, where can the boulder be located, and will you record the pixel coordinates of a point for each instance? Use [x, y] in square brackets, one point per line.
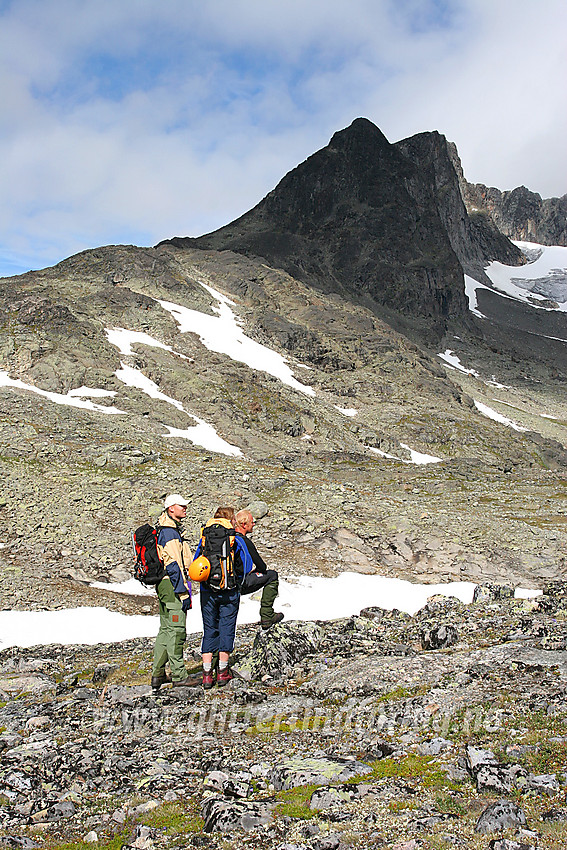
[439, 637]
[328, 796]
[315, 771]
[503, 814]
[278, 650]
[229, 815]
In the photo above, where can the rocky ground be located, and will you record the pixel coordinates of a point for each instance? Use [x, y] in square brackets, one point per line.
[446, 729]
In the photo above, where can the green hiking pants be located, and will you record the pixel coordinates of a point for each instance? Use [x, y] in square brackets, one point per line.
[171, 635]
[269, 581]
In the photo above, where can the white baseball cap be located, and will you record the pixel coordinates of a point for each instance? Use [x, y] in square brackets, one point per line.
[175, 499]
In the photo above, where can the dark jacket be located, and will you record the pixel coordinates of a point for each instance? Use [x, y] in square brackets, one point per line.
[259, 564]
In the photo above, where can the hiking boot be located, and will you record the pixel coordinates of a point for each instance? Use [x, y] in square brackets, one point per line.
[275, 618]
[208, 679]
[188, 682]
[224, 677]
[158, 681]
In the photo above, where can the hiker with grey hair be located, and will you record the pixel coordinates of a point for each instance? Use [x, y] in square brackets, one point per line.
[260, 576]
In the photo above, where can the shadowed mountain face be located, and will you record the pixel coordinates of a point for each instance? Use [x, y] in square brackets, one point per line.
[360, 217]
[475, 240]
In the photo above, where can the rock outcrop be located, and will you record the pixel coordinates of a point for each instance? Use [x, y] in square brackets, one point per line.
[519, 214]
[360, 217]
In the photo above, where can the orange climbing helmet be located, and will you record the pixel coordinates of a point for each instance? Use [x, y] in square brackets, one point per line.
[199, 569]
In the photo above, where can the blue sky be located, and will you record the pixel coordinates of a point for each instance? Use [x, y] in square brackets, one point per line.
[143, 119]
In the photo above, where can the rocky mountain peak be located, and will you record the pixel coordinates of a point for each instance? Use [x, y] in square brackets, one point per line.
[360, 137]
[360, 217]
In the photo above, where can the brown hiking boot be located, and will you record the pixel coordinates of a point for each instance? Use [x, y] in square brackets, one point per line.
[275, 618]
[158, 681]
[188, 682]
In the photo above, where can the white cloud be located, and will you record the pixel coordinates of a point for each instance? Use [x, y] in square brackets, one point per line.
[141, 120]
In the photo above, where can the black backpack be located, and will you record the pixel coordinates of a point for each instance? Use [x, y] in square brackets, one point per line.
[149, 567]
[217, 544]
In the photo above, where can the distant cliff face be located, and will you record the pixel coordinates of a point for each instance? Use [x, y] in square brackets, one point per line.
[360, 217]
[475, 239]
[520, 214]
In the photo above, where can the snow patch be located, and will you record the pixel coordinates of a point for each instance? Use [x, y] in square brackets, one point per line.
[124, 340]
[222, 333]
[69, 400]
[497, 417]
[452, 360]
[301, 598]
[418, 457]
[543, 279]
[202, 434]
[130, 587]
[134, 378]
[346, 411]
[471, 287]
[89, 392]
[72, 626]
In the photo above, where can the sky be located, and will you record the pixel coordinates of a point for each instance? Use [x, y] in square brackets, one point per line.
[136, 121]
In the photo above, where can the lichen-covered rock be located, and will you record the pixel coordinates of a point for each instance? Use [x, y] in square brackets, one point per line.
[276, 651]
[315, 771]
[499, 816]
[223, 815]
[439, 637]
[329, 796]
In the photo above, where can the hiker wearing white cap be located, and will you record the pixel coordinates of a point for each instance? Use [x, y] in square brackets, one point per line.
[174, 595]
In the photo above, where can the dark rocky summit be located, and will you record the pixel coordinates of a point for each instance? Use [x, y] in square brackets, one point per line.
[369, 218]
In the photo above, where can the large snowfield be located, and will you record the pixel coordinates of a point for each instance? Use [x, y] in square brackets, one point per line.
[301, 598]
[541, 283]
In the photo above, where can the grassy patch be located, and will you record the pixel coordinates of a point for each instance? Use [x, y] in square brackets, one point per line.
[422, 768]
[450, 805]
[114, 843]
[176, 818]
[554, 836]
[397, 806]
[294, 802]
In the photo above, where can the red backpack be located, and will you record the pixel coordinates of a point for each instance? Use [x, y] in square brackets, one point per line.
[149, 567]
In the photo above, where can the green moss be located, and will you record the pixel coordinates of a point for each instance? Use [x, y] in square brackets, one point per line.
[400, 693]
